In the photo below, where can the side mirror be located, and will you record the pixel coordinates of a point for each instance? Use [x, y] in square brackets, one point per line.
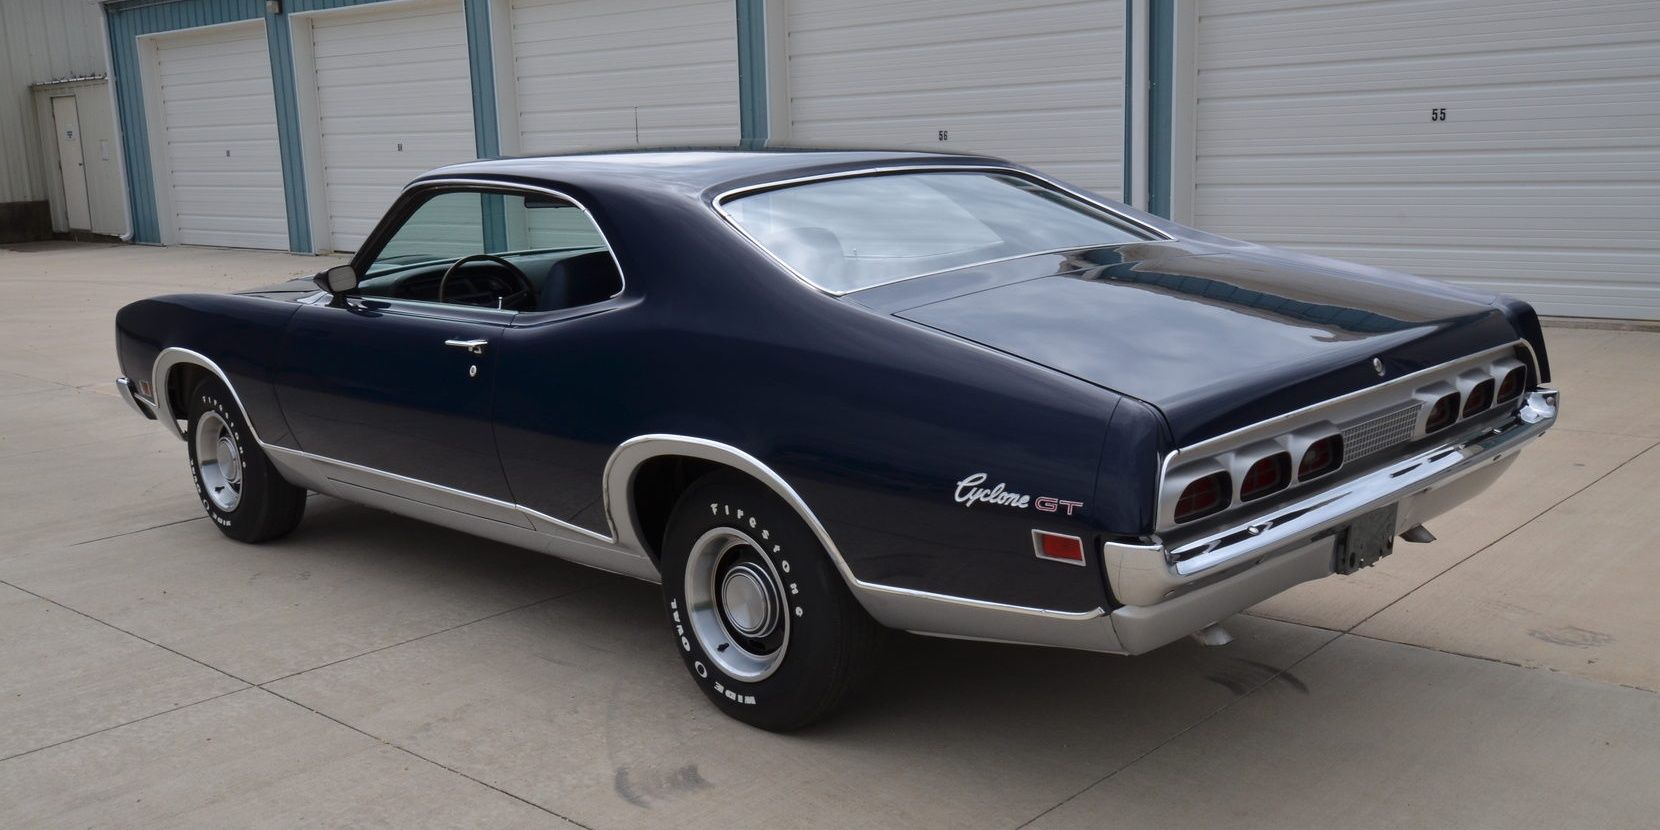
[337, 280]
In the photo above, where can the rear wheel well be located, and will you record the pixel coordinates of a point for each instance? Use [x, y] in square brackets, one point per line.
[658, 484]
[180, 380]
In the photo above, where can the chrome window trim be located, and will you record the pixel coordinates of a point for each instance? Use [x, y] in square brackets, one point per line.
[718, 203]
[1272, 426]
[462, 184]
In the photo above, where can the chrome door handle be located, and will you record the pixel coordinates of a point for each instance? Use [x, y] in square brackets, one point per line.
[472, 346]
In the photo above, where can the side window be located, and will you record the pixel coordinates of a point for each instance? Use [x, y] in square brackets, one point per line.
[495, 250]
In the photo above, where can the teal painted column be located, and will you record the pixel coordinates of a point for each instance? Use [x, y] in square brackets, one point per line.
[752, 73]
[1161, 52]
[486, 126]
[1131, 73]
[280, 43]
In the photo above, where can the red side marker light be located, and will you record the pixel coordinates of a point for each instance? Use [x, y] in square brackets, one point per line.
[1058, 546]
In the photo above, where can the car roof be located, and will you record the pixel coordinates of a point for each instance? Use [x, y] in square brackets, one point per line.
[696, 168]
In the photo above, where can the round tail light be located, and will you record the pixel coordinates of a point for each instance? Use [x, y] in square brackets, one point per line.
[1266, 477]
[1480, 398]
[1512, 385]
[1204, 496]
[1442, 414]
[1321, 457]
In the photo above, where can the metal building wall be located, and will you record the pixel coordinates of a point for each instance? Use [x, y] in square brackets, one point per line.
[40, 40]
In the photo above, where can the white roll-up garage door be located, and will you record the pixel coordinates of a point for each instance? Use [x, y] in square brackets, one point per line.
[621, 73]
[394, 100]
[1512, 146]
[221, 172]
[1040, 83]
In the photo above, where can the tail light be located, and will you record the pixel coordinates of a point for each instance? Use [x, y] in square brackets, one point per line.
[1480, 398]
[1321, 457]
[1442, 414]
[1204, 496]
[1511, 388]
[1267, 476]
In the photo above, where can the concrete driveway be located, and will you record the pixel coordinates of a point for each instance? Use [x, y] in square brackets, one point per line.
[371, 670]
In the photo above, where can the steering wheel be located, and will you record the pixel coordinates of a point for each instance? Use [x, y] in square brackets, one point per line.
[527, 289]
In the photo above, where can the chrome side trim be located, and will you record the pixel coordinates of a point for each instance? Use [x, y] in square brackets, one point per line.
[720, 199]
[922, 612]
[424, 500]
[493, 518]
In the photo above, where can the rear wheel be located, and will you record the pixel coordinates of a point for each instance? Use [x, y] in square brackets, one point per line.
[762, 617]
[240, 490]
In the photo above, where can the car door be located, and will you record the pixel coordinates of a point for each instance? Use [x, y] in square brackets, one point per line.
[392, 382]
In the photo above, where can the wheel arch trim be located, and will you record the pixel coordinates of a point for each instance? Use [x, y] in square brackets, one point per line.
[171, 358]
[922, 612]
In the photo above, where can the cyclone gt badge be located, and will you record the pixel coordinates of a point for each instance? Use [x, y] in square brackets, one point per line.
[972, 490]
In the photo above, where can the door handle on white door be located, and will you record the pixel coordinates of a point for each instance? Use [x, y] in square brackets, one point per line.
[472, 346]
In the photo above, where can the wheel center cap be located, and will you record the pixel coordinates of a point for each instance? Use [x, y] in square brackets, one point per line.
[746, 597]
[229, 459]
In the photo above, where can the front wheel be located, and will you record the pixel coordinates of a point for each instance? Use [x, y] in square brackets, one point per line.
[240, 490]
[760, 614]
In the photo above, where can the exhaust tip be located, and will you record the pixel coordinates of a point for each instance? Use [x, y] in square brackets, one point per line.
[1213, 635]
[1418, 534]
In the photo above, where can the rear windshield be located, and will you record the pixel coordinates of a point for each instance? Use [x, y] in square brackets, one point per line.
[846, 234]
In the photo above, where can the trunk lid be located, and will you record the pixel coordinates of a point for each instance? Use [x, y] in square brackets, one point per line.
[1216, 337]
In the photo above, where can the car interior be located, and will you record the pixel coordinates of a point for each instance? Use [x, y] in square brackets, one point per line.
[494, 250]
[555, 280]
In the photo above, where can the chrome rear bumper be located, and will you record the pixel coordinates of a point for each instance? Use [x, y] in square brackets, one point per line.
[139, 405]
[1172, 591]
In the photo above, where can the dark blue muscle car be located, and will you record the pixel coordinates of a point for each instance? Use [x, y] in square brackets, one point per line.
[819, 394]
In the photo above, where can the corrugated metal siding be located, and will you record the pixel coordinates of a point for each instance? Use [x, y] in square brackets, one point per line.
[394, 100]
[1314, 131]
[220, 124]
[588, 71]
[1039, 83]
[40, 40]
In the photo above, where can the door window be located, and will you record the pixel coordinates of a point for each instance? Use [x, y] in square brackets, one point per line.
[495, 250]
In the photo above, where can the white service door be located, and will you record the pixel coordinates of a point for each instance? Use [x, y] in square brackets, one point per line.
[625, 73]
[1513, 147]
[66, 120]
[219, 127]
[1039, 84]
[394, 100]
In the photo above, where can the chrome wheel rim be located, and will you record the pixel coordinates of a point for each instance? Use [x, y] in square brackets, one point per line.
[736, 604]
[218, 461]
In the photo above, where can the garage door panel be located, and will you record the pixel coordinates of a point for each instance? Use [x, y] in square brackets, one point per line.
[587, 72]
[218, 127]
[1313, 131]
[647, 24]
[1041, 84]
[1608, 165]
[1591, 62]
[1236, 35]
[394, 100]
